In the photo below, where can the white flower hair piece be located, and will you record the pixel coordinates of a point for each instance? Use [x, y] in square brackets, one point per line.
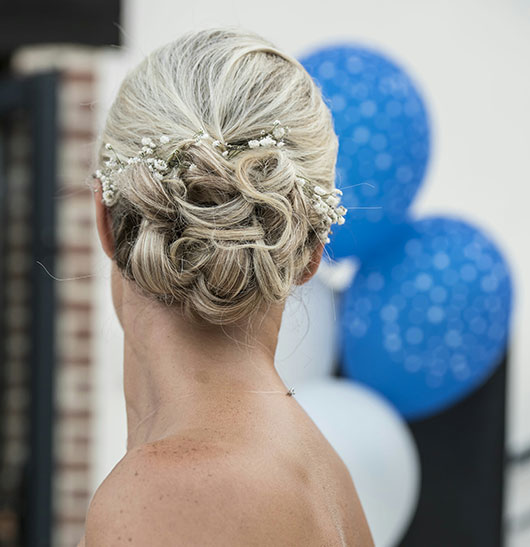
[325, 203]
[157, 166]
[267, 140]
[321, 200]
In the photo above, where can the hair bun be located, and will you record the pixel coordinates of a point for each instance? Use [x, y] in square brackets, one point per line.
[227, 233]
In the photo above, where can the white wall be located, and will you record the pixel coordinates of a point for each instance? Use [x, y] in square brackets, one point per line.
[470, 59]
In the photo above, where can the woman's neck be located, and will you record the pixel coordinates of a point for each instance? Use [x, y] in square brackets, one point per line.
[176, 373]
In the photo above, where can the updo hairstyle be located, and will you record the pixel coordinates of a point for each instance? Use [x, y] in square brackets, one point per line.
[230, 235]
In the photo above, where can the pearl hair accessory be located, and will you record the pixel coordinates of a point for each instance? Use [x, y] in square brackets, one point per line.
[323, 201]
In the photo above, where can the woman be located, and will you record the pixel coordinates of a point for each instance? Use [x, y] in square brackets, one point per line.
[214, 197]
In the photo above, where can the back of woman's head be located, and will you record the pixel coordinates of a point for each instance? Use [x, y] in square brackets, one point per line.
[232, 233]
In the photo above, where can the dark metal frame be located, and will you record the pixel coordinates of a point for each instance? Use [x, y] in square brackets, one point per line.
[93, 22]
[37, 95]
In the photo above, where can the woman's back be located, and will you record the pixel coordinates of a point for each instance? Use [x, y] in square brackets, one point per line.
[216, 172]
[255, 473]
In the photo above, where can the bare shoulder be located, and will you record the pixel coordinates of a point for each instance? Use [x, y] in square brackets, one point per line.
[170, 492]
[187, 492]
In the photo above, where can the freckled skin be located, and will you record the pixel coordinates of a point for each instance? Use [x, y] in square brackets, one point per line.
[244, 485]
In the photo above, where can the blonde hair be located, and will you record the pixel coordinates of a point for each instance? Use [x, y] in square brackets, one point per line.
[227, 236]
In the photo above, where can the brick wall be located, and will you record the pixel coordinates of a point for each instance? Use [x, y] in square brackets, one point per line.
[75, 291]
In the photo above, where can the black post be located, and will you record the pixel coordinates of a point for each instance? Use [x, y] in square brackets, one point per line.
[462, 454]
[43, 108]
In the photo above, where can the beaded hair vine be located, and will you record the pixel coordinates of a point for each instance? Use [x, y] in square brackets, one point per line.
[324, 202]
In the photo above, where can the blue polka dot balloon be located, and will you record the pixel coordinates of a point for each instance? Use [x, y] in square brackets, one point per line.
[383, 132]
[426, 322]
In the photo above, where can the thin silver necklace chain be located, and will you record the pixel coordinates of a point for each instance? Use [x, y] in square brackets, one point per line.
[289, 393]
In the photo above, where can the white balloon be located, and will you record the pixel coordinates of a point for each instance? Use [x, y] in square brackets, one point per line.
[307, 341]
[377, 447]
[338, 274]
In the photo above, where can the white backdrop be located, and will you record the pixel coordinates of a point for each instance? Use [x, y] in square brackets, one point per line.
[470, 60]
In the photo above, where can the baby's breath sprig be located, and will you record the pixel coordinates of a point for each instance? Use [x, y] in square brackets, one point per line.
[266, 140]
[157, 166]
[325, 203]
[322, 201]
[112, 165]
